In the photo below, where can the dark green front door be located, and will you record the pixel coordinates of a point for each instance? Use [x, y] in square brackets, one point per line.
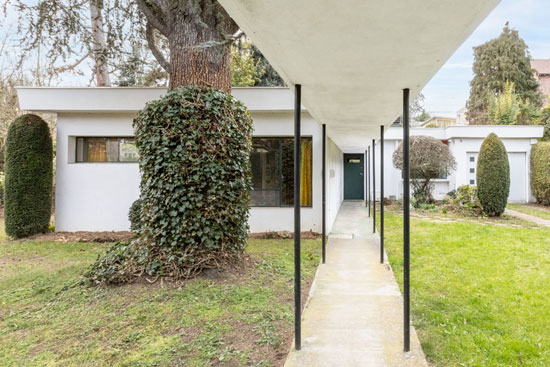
[353, 177]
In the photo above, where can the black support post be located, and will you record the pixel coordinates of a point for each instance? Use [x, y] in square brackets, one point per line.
[406, 224]
[368, 178]
[324, 244]
[381, 194]
[373, 187]
[297, 229]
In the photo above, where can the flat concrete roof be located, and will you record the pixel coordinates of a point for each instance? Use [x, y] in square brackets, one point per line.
[354, 57]
[471, 132]
[122, 99]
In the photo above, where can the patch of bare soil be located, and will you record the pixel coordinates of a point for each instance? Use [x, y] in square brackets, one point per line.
[457, 216]
[83, 236]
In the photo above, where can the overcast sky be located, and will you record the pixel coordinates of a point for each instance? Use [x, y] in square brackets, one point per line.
[448, 90]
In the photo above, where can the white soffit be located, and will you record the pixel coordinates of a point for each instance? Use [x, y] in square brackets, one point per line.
[354, 57]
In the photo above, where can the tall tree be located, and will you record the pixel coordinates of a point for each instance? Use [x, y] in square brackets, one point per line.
[497, 61]
[245, 68]
[269, 78]
[505, 108]
[99, 45]
[197, 33]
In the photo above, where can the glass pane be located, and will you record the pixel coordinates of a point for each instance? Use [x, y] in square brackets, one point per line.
[95, 150]
[128, 150]
[288, 172]
[112, 150]
[266, 182]
[80, 150]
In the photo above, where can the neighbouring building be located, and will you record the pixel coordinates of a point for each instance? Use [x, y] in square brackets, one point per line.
[439, 121]
[97, 172]
[541, 69]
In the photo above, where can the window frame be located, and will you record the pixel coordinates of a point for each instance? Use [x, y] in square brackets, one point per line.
[280, 170]
[118, 137]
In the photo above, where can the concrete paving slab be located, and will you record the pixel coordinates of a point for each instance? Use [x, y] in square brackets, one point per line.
[354, 313]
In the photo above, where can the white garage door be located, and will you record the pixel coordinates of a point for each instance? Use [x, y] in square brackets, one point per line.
[518, 177]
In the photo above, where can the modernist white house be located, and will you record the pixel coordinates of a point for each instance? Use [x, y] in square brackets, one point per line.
[97, 174]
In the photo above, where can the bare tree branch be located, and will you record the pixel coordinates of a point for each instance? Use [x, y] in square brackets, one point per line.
[150, 36]
[65, 68]
[156, 20]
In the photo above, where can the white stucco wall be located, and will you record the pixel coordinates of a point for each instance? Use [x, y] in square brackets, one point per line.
[97, 196]
[335, 182]
[93, 196]
[463, 141]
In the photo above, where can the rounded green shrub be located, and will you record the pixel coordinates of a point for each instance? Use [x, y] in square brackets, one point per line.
[29, 177]
[134, 215]
[493, 176]
[540, 172]
[194, 146]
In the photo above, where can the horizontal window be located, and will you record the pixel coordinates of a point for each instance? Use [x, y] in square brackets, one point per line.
[272, 162]
[106, 149]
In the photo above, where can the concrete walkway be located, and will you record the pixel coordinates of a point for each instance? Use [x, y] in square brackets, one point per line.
[528, 218]
[354, 314]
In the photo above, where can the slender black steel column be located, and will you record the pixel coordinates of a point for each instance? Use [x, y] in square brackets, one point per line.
[406, 223]
[381, 194]
[297, 229]
[324, 192]
[368, 178]
[373, 187]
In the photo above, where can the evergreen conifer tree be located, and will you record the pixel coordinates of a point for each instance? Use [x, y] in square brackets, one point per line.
[500, 60]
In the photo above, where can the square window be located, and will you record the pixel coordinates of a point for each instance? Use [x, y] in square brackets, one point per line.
[472, 159]
[472, 182]
[472, 170]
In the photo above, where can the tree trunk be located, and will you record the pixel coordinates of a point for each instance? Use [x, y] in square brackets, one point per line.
[99, 45]
[198, 56]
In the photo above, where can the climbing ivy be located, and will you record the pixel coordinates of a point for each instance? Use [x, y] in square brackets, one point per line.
[194, 146]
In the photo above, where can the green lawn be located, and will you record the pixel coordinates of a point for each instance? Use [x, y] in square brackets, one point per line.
[531, 210]
[237, 320]
[480, 293]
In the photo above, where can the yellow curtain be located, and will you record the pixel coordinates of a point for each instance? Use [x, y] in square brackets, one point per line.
[97, 150]
[305, 170]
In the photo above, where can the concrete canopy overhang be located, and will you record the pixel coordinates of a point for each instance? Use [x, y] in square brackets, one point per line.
[354, 57]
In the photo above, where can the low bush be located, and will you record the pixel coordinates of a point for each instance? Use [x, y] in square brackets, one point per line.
[540, 172]
[493, 176]
[429, 160]
[134, 215]
[464, 200]
[29, 177]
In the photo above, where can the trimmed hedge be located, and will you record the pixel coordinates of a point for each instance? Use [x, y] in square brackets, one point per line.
[194, 146]
[540, 172]
[29, 177]
[493, 176]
